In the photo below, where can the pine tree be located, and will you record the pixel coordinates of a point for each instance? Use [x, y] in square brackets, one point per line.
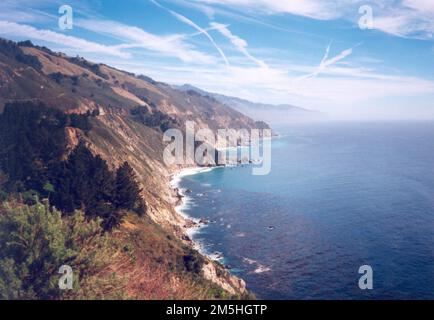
[127, 190]
[32, 137]
[84, 182]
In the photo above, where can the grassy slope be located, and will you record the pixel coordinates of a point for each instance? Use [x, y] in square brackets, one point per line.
[153, 262]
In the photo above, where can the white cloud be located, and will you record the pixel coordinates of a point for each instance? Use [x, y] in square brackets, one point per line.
[21, 30]
[171, 46]
[316, 9]
[194, 25]
[239, 43]
[409, 18]
[420, 5]
[403, 18]
[326, 62]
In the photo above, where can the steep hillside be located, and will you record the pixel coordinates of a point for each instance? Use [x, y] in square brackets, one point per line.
[115, 99]
[77, 86]
[273, 114]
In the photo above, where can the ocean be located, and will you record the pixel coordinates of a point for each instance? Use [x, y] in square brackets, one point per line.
[339, 196]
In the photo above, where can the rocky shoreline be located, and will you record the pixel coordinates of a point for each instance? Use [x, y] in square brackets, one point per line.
[189, 224]
[213, 270]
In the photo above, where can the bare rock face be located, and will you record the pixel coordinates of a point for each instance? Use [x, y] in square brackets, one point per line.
[224, 279]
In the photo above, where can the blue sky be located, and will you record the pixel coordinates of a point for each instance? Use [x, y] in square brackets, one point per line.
[310, 53]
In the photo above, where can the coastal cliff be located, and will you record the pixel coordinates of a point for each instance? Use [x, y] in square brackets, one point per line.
[128, 115]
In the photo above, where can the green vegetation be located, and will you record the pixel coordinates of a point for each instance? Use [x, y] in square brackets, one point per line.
[35, 241]
[32, 137]
[32, 150]
[12, 50]
[60, 78]
[193, 262]
[82, 121]
[261, 125]
[93, 67]
[85, 182]
[156, 119]
[127, 191]
[140, 261]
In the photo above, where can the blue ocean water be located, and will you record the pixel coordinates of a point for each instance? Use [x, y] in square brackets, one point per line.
[339, 196]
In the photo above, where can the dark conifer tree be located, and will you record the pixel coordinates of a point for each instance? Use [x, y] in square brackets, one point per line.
[111, 218]
[127, 190]
[32, 137]
[84, 182]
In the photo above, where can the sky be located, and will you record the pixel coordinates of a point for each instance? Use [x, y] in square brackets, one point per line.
[348, 58]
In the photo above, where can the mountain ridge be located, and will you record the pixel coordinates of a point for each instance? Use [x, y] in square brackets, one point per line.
[256, 110]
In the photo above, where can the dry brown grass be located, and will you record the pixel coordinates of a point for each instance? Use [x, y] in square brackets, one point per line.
[149, 283]
[146, 261]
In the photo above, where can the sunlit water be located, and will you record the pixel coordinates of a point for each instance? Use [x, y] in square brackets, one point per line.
[339, 196]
